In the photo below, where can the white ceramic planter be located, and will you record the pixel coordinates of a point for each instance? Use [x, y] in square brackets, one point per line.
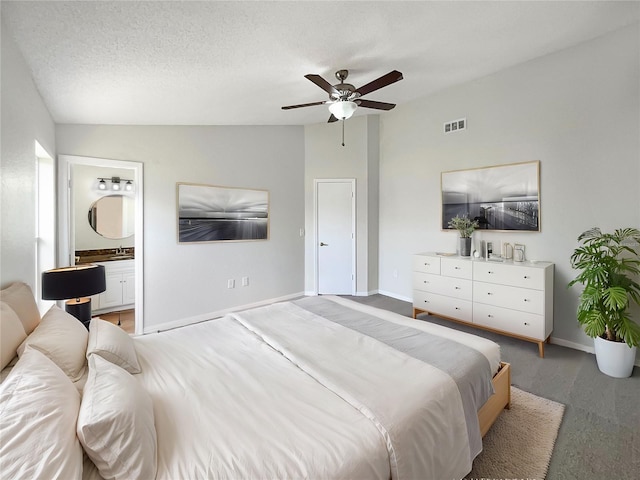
[615, 359]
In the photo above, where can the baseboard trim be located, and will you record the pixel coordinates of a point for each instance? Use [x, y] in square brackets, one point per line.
[162, 327]
[574, 345]
[357, 294]
[396, 296]
[579, 346]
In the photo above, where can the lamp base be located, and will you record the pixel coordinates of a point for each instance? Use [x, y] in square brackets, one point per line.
[81, 309]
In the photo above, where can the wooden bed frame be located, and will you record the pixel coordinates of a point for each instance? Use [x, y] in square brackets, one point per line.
[500, 400]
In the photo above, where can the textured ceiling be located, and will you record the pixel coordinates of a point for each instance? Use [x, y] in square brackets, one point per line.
[237, 63]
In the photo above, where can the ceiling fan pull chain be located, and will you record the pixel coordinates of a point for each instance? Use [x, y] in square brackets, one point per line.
[343, 132]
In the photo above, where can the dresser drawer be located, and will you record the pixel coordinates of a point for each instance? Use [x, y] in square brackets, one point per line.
[442, 305]
[426, 264]
[516, 298]
[456, 267]
[515, 275]
[451, 287]
[507, 320]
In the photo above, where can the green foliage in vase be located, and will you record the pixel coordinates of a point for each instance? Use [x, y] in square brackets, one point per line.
[609, 266]
[464, 225]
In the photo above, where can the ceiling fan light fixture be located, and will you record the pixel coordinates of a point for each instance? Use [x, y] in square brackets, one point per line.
[343, 109]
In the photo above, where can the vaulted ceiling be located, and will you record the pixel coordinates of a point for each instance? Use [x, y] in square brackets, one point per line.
[238, 62]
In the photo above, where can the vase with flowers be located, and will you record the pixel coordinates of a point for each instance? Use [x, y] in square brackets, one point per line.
[465, 227]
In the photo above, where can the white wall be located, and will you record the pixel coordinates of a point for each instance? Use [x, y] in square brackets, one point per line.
[25, 119]
[577, 111]
[190, 280]
[85, 179]
[325, 157]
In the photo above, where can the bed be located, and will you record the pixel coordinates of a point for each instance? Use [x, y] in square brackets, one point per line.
[320, 387]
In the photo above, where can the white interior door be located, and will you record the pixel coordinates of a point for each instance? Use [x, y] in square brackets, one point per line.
[335, 240]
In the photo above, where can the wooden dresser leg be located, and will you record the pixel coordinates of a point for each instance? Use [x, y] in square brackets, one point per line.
[541, 349]
[415, 312]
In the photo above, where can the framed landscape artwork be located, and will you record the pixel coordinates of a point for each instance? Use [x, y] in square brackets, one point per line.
[504, 197]
[208, 213]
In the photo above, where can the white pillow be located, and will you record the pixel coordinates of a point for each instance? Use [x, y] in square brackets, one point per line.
[116, 425]
[20, 298]
[11, 334]
[113, 344]
[62, 338]
[39, 407]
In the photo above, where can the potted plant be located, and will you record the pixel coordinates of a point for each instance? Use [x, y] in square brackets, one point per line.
[465, 227]
[609, 265]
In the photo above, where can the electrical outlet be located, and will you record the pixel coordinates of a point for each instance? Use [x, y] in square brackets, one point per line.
[245, 281]
[231, 283]
[455, 125]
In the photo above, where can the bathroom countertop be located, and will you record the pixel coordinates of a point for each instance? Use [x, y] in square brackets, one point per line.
[103, 255]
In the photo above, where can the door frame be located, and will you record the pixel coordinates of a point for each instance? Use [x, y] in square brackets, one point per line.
[316, 276]
[66, 227]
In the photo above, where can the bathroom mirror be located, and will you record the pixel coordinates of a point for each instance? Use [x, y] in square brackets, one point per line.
[113, 216]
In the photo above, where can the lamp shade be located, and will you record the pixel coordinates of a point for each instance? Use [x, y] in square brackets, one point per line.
[343, 109]
[73, 282]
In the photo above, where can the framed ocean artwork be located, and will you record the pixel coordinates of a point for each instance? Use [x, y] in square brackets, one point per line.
[209, 213]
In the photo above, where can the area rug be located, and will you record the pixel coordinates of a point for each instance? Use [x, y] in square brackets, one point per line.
[520, 442]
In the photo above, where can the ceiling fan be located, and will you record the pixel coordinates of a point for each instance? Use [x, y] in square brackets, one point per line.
[344, 98]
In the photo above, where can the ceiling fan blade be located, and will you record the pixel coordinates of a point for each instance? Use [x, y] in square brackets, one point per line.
[289, 107]
[376, 105]
[322, 83]
[383, 81]
[332, 118]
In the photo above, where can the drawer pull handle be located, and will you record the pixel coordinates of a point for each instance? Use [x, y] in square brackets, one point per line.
[426, 301]
[456, 268]
[489, 293]
[457, 288]
[526, 300]
[457, 308]
[526, 323]
[490, 316]
[526, 276]
[424, 281]
[426, 264]
[489, 272]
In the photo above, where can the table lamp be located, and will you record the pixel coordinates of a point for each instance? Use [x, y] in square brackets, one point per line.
[75, 283]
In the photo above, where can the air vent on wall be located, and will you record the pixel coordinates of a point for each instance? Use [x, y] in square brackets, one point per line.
[455, 125]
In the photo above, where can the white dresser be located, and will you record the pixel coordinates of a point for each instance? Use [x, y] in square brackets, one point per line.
[511, 298]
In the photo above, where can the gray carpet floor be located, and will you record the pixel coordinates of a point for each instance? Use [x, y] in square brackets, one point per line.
[600, 433]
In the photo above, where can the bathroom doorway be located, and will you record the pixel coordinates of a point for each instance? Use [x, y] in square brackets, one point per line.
[86, 184]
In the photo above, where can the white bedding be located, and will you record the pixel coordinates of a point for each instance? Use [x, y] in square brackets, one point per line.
[281, 392]
[228, 405]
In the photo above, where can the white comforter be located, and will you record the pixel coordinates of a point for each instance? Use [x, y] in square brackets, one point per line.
[228, 406]
[278, 392]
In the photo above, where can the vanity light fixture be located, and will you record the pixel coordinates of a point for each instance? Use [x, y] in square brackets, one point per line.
[116, 184]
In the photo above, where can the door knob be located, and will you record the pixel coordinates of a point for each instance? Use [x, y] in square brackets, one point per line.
[322, 244]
